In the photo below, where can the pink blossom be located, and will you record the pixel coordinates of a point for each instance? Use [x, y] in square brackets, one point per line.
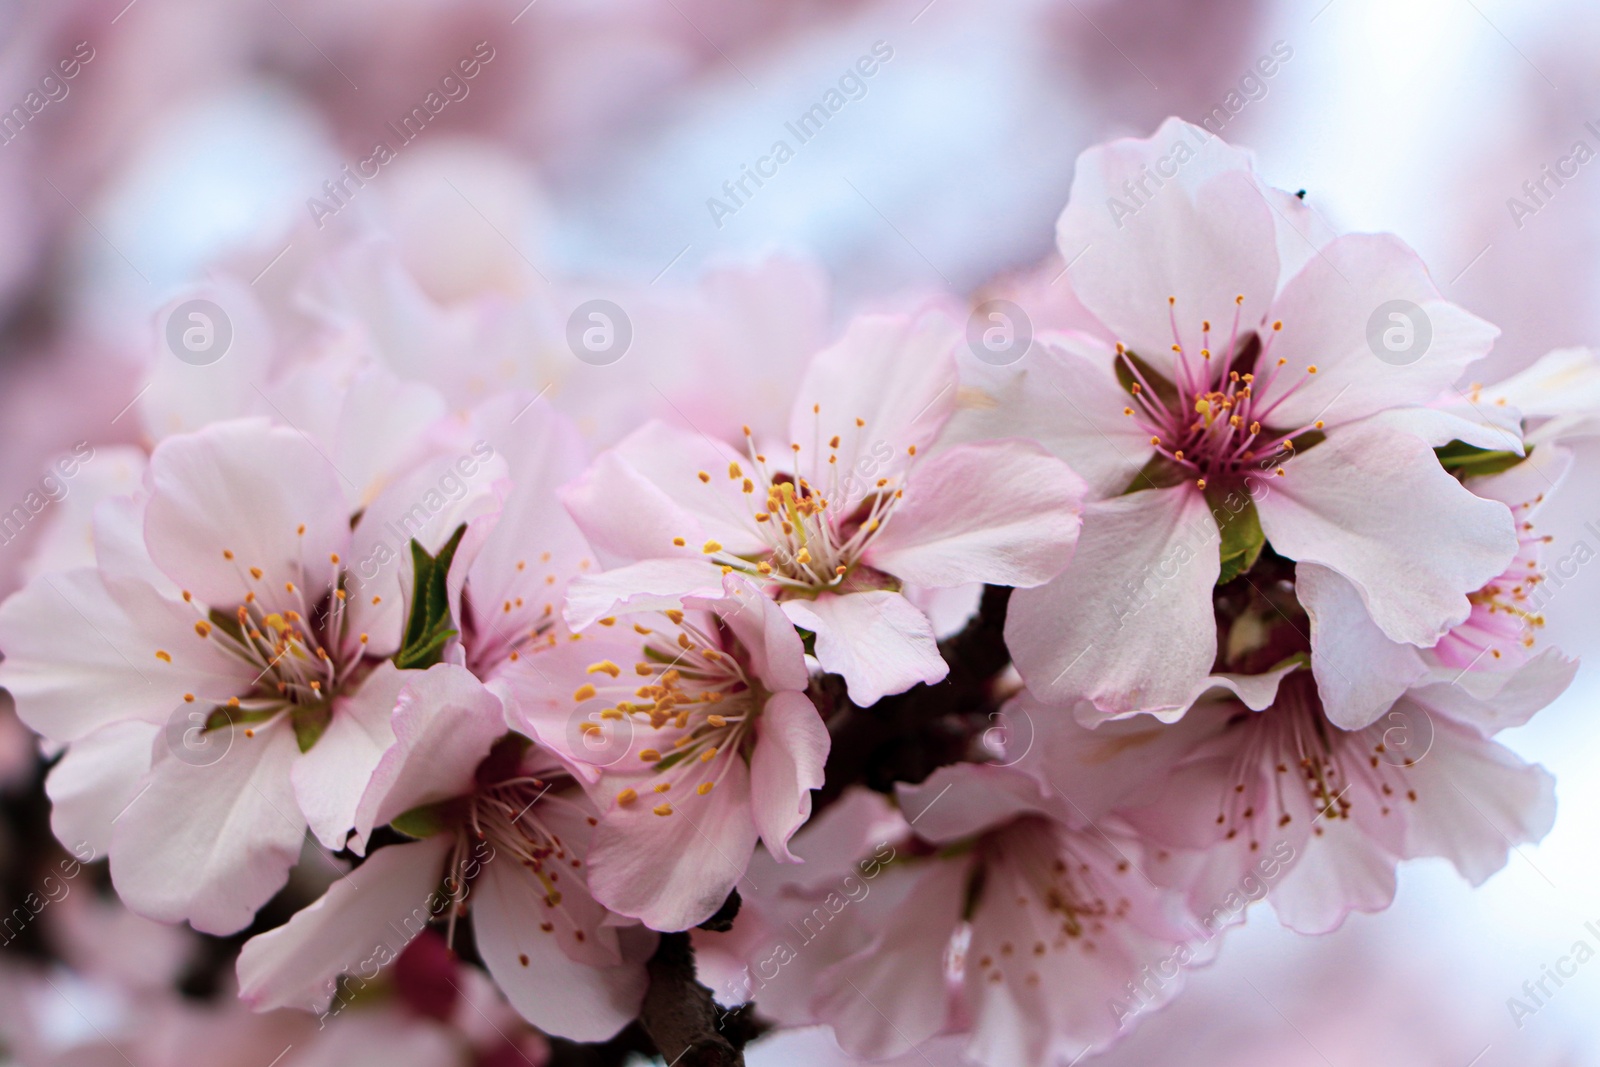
[1242, 392]
[504, 826]
[838, 522]
[1037, 917]
[697, 721]
[234, 612]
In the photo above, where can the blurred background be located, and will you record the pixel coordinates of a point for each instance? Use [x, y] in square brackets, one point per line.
[603, 148]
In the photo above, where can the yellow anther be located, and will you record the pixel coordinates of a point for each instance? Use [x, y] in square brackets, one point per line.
[704, 787]
[704, 477]
[584, 692]
[626, 797]
[650, 755]
[255, 572]
[605, 666]
[202, 628]
[717, 721]
[734, 473]
[711, 546]
[662, 809]
[163, 655]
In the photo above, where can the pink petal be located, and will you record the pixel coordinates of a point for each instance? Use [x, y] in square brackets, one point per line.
[576, 1000]
[1128, 626]
[674, 871]
[891, 996]
[211, 844]
[357, 927]
[1359, 671]
[1476, 801]
[878, 641]
[96, 779]
[649, 585]
[961, 799]
[79, 657]
[444, 723]
[1490, 701]
[1065, 396]
[893, 373]
[1374, 505]
[790, 752]
[1003, 513]
[331, 776]
[637, 497]
[776, 653]
[245, 487]
[1195, 227]
[1326, 311]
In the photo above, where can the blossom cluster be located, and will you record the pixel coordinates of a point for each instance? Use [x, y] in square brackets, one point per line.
[932, 695]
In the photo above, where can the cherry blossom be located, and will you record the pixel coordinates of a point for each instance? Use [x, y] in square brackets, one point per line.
[836, 523]
[505, 828]
[236, 613]
[1235, 410]
[1038, 917]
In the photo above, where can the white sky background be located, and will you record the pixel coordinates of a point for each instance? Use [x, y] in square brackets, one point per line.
[1416, 116]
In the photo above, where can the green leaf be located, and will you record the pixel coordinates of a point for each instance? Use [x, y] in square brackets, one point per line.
[429, 628]
[1165, 390]
[1464, 460]
[1240, 526]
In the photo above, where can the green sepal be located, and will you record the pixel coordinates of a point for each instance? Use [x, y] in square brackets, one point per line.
[429, 627]
[1464, 460]
[221, 716]
[1242, 538]
[310, 721]
[1159, 473]
[420, 822]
